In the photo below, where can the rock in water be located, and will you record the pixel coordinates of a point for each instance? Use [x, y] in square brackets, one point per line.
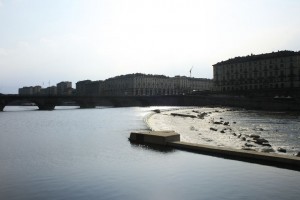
[297, 154]
[254, 136]
[266, 145]
[226, 123]
[217, 122]
[249, 145]
[202, 115]
[267, 150]
[182, 115]
[260, 140]
[282, 150]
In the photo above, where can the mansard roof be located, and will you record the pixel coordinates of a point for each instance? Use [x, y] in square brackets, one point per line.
[137, 75]
[258, 57]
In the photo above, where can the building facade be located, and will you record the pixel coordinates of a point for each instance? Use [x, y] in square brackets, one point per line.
[151, 85]
[81, 87]
[64, 88]
[89, 88]
[126, 85]
[32, 90]
[271, 71]
[49, 91]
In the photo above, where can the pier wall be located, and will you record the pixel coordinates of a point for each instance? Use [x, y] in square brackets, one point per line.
[172, 139]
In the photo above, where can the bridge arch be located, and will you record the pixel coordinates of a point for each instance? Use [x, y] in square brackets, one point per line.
[11, 101]
[40, 103]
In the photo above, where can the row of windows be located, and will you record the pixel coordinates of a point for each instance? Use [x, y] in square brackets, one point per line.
[227, 70]
[239, 82]
[260, 76]
[156, 92]
[156, 85]
[147, 92]
[255, 87]
[262, 62]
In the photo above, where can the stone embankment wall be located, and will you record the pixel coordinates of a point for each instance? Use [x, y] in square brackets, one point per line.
[257, 103]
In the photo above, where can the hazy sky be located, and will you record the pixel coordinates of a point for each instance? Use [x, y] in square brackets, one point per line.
[72, 40]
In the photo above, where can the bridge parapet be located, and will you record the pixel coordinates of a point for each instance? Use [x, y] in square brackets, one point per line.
[49, 102]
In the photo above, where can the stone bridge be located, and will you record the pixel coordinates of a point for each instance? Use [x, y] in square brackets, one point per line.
[49, 102]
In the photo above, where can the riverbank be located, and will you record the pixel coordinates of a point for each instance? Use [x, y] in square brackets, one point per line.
[231, 128]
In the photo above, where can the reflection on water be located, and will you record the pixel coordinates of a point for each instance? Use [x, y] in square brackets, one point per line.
[152, 147]
[85, 154]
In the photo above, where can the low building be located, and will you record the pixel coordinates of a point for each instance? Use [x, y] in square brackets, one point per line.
[32, 90]
[271, 71]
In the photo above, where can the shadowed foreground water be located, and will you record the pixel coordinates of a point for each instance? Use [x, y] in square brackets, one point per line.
[85, 154]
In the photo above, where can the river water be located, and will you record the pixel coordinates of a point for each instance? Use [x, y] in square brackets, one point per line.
[72, 153]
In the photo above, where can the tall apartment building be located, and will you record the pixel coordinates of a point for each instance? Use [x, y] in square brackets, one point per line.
[81, 87]
[270, 71]
[89, 88]
[95, 88]
[64, 88]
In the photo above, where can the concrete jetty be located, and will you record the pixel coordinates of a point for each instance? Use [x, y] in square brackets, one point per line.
[155, 137]
[172, 139]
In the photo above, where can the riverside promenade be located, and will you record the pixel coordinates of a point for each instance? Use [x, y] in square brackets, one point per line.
[172, 139]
